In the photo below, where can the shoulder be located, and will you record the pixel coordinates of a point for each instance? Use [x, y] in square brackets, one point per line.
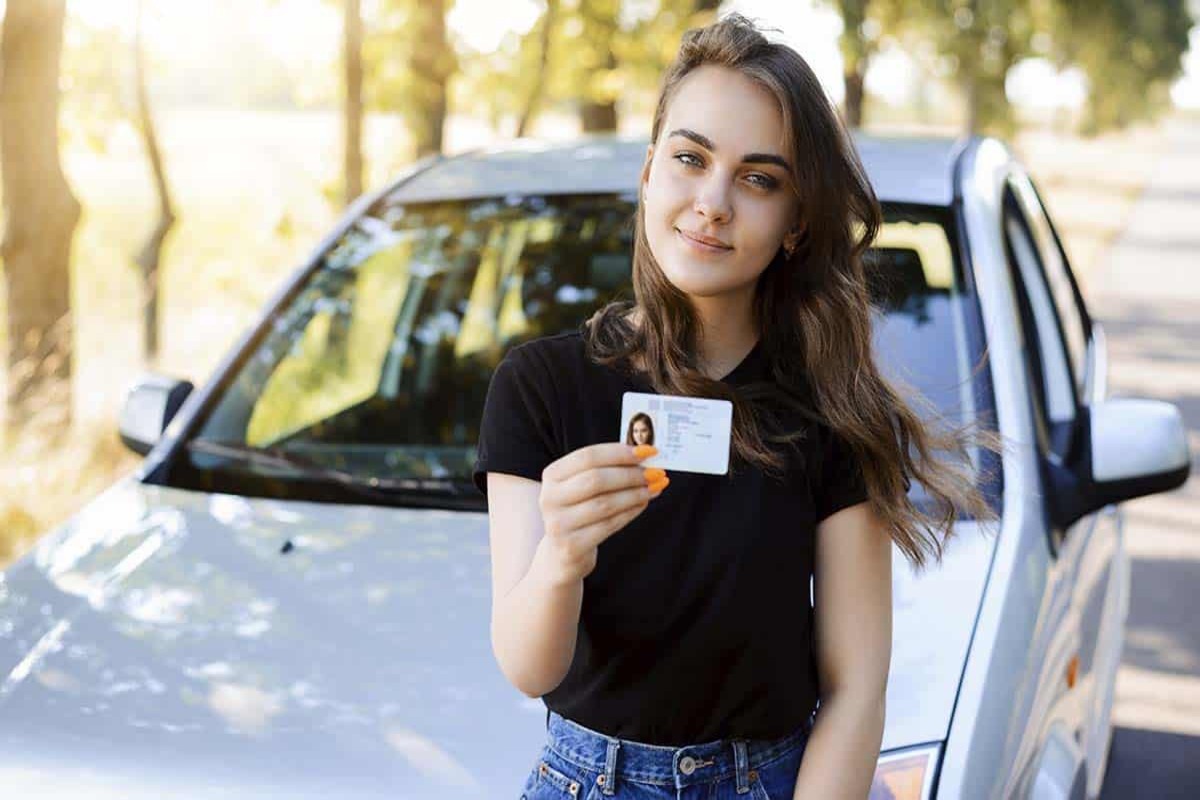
[548, 354]
[553, 363]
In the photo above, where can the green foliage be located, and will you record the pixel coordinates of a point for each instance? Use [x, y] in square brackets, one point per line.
[498, 83]
[642, 35]
[408, 62]
[651, 39]
[400, 70]
[977, 42]
[1130, 51]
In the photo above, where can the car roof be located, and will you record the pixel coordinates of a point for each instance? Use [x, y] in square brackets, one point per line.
[903, 169]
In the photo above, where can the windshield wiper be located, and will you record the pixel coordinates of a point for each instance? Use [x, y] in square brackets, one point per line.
[303, 466]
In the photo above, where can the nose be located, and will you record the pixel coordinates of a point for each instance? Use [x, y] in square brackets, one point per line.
[712, 199]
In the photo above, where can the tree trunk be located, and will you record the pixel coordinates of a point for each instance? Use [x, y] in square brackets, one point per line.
[539, 82]
[598, 113]
[42, 214]
[432, 64]
[854, 98]
[856, 55]
[352, 44]
[599, 117]
[150, 256]
[970, 84]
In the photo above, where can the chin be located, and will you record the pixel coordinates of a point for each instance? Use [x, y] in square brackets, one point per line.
[698, 280]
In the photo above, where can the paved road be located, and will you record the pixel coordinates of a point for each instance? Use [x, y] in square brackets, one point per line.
[1147, 295]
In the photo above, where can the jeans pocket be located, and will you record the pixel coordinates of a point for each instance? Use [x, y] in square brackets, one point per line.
[554, 778]
[776, 780]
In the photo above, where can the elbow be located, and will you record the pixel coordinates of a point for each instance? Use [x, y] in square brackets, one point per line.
[533, 686]
[521, 677]
[520, 682]
[528, 686]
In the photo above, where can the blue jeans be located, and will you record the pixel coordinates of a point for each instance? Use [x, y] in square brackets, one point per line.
[578, 763]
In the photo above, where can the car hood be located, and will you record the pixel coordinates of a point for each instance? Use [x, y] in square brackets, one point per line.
[167, 643]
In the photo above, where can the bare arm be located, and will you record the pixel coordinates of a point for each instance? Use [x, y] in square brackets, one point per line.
[853, 618]
[534, 621]
[544, 538]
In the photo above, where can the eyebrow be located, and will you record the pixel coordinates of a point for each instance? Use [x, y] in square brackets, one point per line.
[749, 158]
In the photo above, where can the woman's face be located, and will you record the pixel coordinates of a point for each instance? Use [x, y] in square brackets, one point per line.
[719, 170]
[641, 432]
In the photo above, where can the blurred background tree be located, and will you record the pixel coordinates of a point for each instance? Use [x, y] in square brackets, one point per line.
[149, 258]
[408, 63]
[1130, 51]
[352, 100]
[40, 212]
[976, 42]
[864, 23]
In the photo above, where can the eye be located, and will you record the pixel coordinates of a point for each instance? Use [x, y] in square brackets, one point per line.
[763, 181]
[683, 158]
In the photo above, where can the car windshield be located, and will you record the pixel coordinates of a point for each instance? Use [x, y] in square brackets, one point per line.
[368, 383]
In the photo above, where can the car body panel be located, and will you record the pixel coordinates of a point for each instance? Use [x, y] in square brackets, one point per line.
[1042, 608]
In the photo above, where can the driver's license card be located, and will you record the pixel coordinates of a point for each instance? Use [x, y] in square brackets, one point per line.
[692, 434]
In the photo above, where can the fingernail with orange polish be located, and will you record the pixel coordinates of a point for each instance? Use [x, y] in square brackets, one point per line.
[645, 450]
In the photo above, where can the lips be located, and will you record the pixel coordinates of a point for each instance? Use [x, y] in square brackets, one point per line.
[705, 241]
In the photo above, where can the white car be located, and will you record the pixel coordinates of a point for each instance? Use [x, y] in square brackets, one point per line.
[291, 597]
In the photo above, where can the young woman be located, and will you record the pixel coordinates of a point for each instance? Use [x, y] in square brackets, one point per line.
[669, 630]
[641, 429]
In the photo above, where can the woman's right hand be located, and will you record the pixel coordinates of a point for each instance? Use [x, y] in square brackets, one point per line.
[588, 495]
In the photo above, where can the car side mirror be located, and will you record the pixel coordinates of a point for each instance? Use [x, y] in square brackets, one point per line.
[150, 403]
[1129, 447]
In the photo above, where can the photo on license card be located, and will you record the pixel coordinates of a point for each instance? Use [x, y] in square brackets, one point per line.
[692, 434]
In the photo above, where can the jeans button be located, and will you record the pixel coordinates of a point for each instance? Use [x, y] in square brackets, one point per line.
[687, 765]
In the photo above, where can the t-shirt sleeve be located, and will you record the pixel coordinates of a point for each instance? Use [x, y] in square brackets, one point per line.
[841, 484]
[516, 432]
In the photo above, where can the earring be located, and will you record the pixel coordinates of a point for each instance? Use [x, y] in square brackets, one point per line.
[791, 242]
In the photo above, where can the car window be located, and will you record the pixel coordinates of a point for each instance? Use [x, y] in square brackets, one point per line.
[1056, 272]
[379, 364]
[1056, 398]
[921, 332]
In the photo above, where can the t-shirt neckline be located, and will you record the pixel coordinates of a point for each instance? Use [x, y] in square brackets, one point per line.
[734, 374]
[741, 365]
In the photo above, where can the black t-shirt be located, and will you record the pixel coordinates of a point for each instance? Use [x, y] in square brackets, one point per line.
[696, 621]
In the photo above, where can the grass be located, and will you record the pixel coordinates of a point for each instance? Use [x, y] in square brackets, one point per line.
[252, 189]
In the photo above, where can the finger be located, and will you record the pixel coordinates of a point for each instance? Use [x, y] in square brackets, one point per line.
[595, 534]
[604, 454]
[604, 506]
[597, 481]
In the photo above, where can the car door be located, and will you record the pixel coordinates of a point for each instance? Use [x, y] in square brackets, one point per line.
[1078, 642]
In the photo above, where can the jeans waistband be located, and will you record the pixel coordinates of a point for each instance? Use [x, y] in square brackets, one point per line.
[624, 759]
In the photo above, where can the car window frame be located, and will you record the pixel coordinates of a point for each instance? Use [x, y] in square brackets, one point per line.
[1057, 437]
[1029, 198]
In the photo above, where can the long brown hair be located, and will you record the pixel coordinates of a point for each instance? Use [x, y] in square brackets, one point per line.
[814, 312]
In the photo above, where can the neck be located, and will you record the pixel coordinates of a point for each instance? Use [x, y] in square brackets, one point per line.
[728, 330]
